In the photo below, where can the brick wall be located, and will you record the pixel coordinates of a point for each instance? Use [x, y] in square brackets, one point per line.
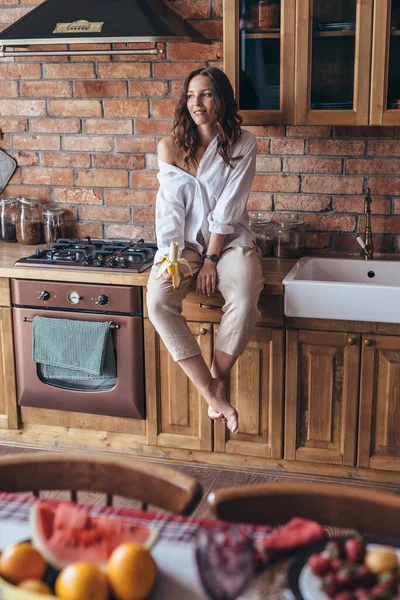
[84, 132]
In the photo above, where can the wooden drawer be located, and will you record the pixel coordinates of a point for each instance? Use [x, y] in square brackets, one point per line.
[5, 297]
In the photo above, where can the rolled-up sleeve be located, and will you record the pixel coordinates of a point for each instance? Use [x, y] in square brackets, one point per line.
[170, 219]
[233, 199]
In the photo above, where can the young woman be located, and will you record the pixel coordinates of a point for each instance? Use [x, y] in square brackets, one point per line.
[206, 170]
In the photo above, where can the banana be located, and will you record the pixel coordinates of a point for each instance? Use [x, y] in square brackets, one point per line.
[172, 264]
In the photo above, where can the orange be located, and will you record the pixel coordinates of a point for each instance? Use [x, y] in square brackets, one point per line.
[20, 562]
[81, 581]
[36, 585]
[131, 572]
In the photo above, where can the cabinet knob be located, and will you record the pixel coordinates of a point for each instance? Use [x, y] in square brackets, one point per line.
[203, 331]
[368, 342]
[351, 341]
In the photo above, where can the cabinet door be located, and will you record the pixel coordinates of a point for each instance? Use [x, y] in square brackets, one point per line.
[385, 79]
[259, 58]
[379, 420]
[256, 391]
[176, 412]
[8, 397]
[322, 375]
[332, 74]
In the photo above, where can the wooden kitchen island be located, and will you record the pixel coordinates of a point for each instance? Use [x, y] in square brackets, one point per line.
[314, 396]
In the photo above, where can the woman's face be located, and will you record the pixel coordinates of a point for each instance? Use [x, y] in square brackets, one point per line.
[199, 101]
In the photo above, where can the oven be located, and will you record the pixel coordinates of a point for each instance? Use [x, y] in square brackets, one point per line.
[119, 396]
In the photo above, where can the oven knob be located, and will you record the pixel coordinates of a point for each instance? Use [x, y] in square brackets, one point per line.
[101, 300]
[44, 295]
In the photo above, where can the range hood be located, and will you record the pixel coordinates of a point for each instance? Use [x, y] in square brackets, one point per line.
[97, 22]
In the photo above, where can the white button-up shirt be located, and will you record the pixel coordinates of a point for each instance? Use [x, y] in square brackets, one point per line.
[213, 201]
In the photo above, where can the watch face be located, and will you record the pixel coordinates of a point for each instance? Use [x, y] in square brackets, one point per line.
[213, 257]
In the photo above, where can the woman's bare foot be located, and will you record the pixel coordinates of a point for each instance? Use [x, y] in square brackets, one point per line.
[216, 397]
[215, 414]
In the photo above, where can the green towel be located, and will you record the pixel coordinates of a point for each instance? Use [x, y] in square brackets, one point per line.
[69, 349]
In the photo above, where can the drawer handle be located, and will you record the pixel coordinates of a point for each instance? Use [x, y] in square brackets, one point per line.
[368, 342]
[351, 341]
[212, 306]
[203, 331]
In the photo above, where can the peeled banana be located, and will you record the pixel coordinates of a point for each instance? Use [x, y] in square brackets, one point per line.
[172, 264]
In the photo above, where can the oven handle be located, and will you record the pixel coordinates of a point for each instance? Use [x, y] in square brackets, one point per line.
[112, 325]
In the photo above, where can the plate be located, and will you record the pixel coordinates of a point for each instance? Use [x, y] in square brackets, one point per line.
[303, 585]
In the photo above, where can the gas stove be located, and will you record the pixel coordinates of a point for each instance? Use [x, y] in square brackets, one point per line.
[85, 253]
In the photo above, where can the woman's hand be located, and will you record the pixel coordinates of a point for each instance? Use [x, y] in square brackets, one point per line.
[206, 282]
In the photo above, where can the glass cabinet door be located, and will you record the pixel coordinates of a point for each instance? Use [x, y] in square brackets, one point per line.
[333, 49]
[385, 77]
[259, 58]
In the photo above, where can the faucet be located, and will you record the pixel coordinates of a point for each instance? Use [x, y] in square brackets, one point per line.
[367, 244]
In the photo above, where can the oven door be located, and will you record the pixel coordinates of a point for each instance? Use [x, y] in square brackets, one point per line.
[119, 397]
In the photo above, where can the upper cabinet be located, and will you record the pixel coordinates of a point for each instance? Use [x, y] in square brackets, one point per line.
[314, 62]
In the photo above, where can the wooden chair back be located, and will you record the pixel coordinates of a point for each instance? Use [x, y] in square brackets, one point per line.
[365, 510]
[150, 484]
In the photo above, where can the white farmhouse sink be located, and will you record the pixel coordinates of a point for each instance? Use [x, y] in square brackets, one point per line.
[337, 288]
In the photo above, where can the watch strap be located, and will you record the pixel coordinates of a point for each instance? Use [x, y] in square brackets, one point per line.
[213, 257]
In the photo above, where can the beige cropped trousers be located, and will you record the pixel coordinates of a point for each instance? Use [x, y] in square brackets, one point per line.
[239, 279]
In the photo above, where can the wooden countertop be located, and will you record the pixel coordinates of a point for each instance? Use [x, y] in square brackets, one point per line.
[274, 271]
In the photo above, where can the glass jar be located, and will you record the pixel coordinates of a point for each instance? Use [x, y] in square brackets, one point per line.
[289, 237]
[268, 14]
[263, 232]
[8, 220]
[53, 224]
[29, 222]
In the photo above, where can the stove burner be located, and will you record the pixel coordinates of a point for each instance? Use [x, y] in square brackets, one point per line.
[87, 253]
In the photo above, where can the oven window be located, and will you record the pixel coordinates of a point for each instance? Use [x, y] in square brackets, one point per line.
[79, 385]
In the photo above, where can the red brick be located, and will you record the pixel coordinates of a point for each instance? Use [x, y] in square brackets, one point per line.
[153, 126]
[382, 243]
[217, 8]
[176, 88]
[384, 148]
[276, 183]
[148, 88]
[37, 142]
[13, 125]
[328, 184]
[19, 71]
[144, 214]
[23, 158]
[48, 176]
[89, 213]
[317, 240]
[8, 89]
[87, 143]
[308, 164]
[287, 146]
[78, 196]
[355, 204]
[126, 108]
[373, 166]
[309, 131]
[46, 89]
[42, 193]
[151, 162]
[100, 89]
[23, 108]
[77, 229]
[259, 201]
[125, 58]
[16, 177]
[195, 9]
[130, 198]
[367, 131]
[75, 108]
[330, 222]
[382, 224]
[130, 232]
[397, 206]
[48, 125]
[212, 29]
[106, 178]
[384, 185]
[113, 161]
[195, 51]
[266, 130]
[68, 71]
[124, 71]
[63, 159]
[104, 126]
[302, 202]
[91, 57]
[263, 146]
[267, 164]
[135, 144]
[145, 180]
[341, 147]
[163, 108]
[177, 70]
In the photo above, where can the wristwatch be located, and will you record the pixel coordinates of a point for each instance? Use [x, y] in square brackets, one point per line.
[213, 257]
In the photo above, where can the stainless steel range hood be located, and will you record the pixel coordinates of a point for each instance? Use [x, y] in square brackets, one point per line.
[97, 22]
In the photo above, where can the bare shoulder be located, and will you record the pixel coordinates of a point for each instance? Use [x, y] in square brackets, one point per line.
[166, 149]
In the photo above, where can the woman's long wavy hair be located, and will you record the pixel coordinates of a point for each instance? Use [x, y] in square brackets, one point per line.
[227, 118]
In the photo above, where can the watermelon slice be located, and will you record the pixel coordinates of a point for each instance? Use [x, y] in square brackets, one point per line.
[66, 533]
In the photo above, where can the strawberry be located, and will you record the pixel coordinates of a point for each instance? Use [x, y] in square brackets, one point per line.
[319, 565]
[336, 564]
[362, 594]
[345, 577]
[355, 550]
[345, 595]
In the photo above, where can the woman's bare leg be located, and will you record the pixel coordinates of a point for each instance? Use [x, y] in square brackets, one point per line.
[211, 388]
[221, 367]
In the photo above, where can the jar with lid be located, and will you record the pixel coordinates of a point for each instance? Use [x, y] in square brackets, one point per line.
[29, 222]
[8, 219]
[263, 232]
[268, 14]
[289, 237]
[53, 224]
